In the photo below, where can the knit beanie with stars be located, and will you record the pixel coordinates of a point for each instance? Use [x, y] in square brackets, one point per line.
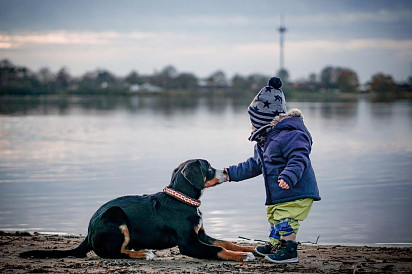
[268, 103]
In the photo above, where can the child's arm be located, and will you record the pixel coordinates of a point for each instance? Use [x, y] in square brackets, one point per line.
[243, 171]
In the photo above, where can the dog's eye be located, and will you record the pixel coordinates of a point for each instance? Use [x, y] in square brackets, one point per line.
[210, 174]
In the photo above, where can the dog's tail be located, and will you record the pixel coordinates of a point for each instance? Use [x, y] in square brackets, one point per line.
[78, 252]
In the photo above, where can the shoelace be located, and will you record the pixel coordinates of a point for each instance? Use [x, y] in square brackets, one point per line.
[277, 246]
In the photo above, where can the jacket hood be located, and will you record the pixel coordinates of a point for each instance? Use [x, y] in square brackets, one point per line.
[281, 117]
[292, 120]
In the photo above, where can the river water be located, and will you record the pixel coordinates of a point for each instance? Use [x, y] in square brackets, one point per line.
[61, 158]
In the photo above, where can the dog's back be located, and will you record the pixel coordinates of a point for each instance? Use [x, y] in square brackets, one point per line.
[154, 221]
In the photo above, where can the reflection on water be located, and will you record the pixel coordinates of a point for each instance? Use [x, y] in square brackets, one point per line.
[65, 105]
[61, 158]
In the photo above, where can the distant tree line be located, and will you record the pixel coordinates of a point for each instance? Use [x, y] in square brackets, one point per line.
[21, 80]
[338, 79]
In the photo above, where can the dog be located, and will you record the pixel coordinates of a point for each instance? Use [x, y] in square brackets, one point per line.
[129, 226]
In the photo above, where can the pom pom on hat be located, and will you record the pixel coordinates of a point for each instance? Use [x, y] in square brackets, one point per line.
[275, 82]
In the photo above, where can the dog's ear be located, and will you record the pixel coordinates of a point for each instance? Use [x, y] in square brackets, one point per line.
[175, 171]
[194, 174]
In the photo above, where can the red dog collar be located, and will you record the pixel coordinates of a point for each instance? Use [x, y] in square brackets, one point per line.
[181, 197]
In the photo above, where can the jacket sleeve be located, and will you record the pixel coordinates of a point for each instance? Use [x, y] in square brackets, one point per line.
[245, 170]
[296, 149]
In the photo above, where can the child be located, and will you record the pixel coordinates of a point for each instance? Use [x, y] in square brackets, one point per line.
[282, 156]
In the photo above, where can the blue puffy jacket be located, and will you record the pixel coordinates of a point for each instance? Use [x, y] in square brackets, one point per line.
[285, 155]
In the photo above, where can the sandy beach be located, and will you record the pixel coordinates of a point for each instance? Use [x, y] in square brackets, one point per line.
[313, 259]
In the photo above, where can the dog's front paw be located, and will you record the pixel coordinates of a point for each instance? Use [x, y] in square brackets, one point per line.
[249, 257]
[149, 255]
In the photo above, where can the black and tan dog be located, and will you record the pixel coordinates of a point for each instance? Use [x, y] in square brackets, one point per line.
[127, 227]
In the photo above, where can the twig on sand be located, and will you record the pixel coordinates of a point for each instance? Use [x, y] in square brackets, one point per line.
[309, 242]
[262, 241]
[253, 240]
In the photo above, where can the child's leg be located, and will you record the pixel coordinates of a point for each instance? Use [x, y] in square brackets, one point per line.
[274, 236]
[288, 228]
[284, 219]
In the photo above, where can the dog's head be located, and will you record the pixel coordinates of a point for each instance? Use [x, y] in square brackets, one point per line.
[192, 176]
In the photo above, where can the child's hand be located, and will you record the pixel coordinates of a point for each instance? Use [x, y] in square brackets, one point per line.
[283, 184]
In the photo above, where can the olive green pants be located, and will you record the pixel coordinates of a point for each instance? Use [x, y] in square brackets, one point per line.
[284, 218]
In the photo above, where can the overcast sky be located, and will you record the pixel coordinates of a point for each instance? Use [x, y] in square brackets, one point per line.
[204, 36]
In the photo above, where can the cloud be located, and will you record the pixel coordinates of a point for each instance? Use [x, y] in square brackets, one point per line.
[191, 43]
[383, 16]
[403, 47]
[4, 45]
[62, 37]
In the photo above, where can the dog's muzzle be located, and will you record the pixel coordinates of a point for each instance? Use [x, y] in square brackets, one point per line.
[221, 175]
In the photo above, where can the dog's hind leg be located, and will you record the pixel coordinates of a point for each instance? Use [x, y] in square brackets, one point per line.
[234, 247]
[140, 254]
[225, 244]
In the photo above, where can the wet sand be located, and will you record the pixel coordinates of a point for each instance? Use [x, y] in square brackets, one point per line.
[312, 259]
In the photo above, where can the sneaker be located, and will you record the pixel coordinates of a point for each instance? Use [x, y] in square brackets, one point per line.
[264, 250]
[287, 253]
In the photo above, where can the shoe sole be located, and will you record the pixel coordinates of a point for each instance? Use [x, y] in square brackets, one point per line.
[287, 261]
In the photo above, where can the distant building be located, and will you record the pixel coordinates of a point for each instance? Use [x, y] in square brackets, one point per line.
[364, 88]
[207, 85]
[146, 87]
[134, 88]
